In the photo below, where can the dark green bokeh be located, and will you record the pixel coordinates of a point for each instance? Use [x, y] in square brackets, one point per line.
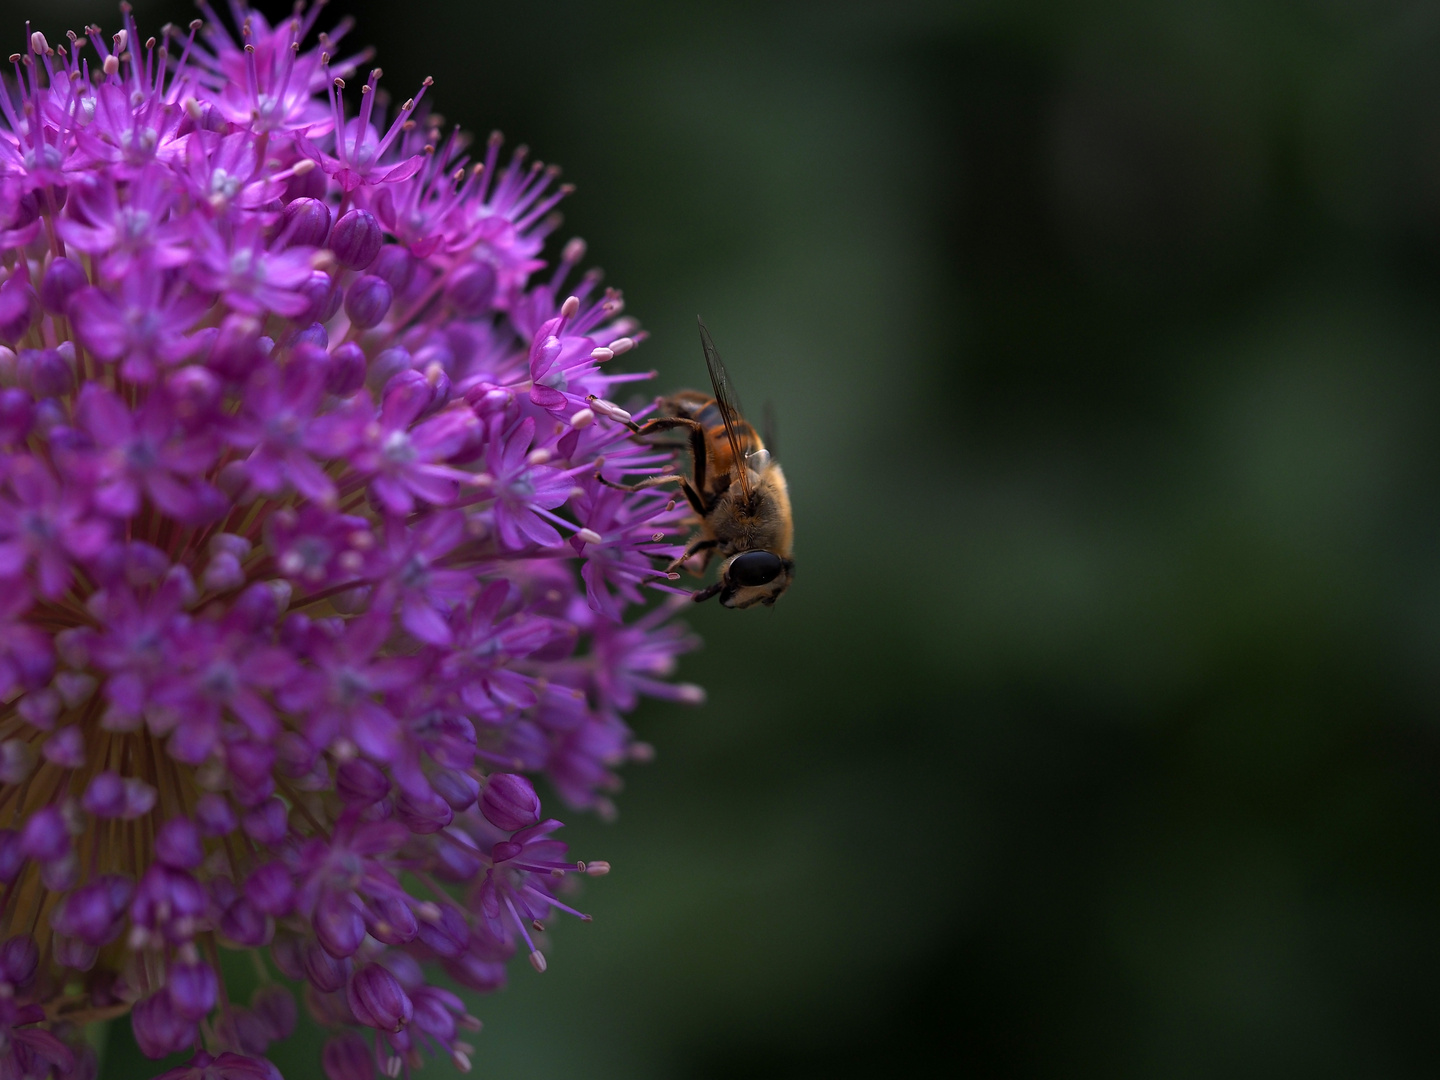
[1098, 735]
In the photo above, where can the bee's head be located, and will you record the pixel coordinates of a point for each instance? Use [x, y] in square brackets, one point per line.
[754, 577]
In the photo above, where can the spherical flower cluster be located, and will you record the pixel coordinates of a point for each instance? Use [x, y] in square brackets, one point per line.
[298, 457]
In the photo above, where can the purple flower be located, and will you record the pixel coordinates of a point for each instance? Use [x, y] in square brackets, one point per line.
[304, 568]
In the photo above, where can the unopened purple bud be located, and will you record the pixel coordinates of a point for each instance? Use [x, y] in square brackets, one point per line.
[63, 278]
[471, 289]
[94, 912]
[74, 954]
[193, 390]
[159, 1030]
[458, 789]
[104, 795]
[361, 781]
[356, 239]
[271, 888]
[425, 813]
[367, 300]
[390, 920]
[314, 335]
[288, 952]
[17, 415]
[396, 266]
[11, 858]
[305, 223]
[448, 935]
[339, 923]
[66, 748]
[510, 802]
[245, 925]
[17, 760]
[325, 972]
[266, 823]
[44, 836]
[213, 815]
[193, 988]
[323, 296]
[378, 1000]
[17, 309]
[275, 1005]
[45, 373]
[387, 365]
[19, 958]
[347, 370]
[177, 844]
[348, 1057]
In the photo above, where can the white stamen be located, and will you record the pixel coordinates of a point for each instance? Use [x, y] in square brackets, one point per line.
[38, 43]
[598, 868]
[602, 354]
[569, 308]
[111, 64]
[582, 419]
[608, 408]
[622, 345]
[537, 961]
[539, 456]
[590, 536]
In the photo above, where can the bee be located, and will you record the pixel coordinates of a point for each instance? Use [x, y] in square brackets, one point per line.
[735, 488]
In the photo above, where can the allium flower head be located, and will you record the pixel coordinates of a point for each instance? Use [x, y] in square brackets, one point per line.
[303, 561]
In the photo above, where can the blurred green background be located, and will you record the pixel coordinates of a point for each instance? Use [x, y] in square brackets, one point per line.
[1098, 735]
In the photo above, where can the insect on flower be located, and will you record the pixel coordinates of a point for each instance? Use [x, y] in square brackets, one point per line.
[737, 490]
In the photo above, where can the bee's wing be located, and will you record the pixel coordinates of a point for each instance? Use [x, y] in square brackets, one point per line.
[725, 399]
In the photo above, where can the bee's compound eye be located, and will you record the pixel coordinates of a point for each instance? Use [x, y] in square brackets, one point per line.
[754, 568]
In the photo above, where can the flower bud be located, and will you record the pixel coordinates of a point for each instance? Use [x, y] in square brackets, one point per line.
[17, 309]
[339, 924]
[266, 823]
[305, 223]
[45, 372]
[44, 836]
[17, 760]
[471, 289]
[19, 959]
[65, 748]
[367, 300]
[323, 971]
[271, 888]
[361, 781]
[324, 298]
[213, 815]
[315, 334]
[348, 1057]
[390, 920]
[63, 278]
[346, 374]
[193, 989]
[378, 1000]
[177, 844]
[244, 924]
[387, 365]
[396, 266]
[11, 858]
[458, 789]
[275, 1005]
[356, 239]
[159, 1030]
[509, 802]
[17, 415]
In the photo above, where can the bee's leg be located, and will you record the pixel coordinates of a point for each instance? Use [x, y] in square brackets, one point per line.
[707, 592]
[693, 548]
[697, 441]
[691, 495]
